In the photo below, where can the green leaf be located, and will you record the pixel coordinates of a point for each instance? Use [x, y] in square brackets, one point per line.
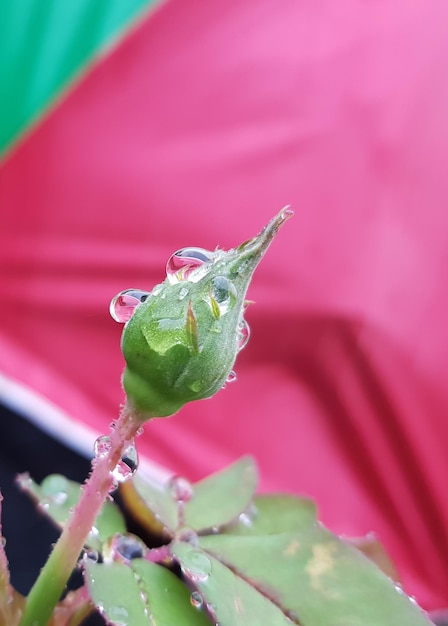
[215, 501]
[129, 594]
[156, 498]
[232, 601]
[316, 578]
[274, 514]
[57, 496]
[221, 497]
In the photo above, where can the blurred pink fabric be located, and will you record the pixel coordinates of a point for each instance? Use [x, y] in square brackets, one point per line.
[198, 128]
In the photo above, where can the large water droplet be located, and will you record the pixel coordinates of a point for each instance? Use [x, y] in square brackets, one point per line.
[180, 488]
[124, 304]
[243, 334]
[223, 295]
[124, 548]
[186, 263]
[127, 466]
[196, 565]
[231, 378]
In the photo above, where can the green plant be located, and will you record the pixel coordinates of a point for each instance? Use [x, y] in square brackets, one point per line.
[209, 553]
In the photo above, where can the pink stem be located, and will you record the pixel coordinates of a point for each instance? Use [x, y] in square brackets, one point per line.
[53, 577]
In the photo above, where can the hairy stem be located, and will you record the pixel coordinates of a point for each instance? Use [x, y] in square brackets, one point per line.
[53, 577]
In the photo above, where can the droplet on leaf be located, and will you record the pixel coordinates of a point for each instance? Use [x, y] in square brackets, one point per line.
[196, 566]
[196, 600]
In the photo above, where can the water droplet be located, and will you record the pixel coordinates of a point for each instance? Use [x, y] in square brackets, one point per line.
[183, 293]
[243, 334]
[231, 378]
[91, 555]
[94, 535]
[3, 542]
[140, 431]
[180, 489]
[127, 466]
[185, 264]
[286, 213]
[144, 597]
[157, 289]
[188, 535]
[247, 517]
[124, 304]
[59, 498]
[124, 548]
[196, 600]
[223, 295]
[101, 446]
[118, 615]
[196, 565]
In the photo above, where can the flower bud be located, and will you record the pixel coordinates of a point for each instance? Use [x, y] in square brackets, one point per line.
[182, 338]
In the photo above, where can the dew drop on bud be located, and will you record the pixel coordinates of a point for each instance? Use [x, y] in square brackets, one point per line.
[183, 264]
[231, 378]
[243, 334]
[223, 295]
[124, 304]
[183, 293]
[286, 213]
[127, 465]
[180, 488]
[196, 600]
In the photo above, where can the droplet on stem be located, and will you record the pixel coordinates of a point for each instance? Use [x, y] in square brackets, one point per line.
[180, 488]
[127, 465]
[185, 263]
[124, 304]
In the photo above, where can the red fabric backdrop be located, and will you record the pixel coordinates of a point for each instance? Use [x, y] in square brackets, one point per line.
[200, 126]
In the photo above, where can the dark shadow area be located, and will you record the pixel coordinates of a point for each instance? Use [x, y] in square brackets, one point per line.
[29, 535]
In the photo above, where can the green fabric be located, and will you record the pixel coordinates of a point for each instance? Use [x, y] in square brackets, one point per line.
[46, 44]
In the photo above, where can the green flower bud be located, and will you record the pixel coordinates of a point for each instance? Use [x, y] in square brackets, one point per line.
[182, 339]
